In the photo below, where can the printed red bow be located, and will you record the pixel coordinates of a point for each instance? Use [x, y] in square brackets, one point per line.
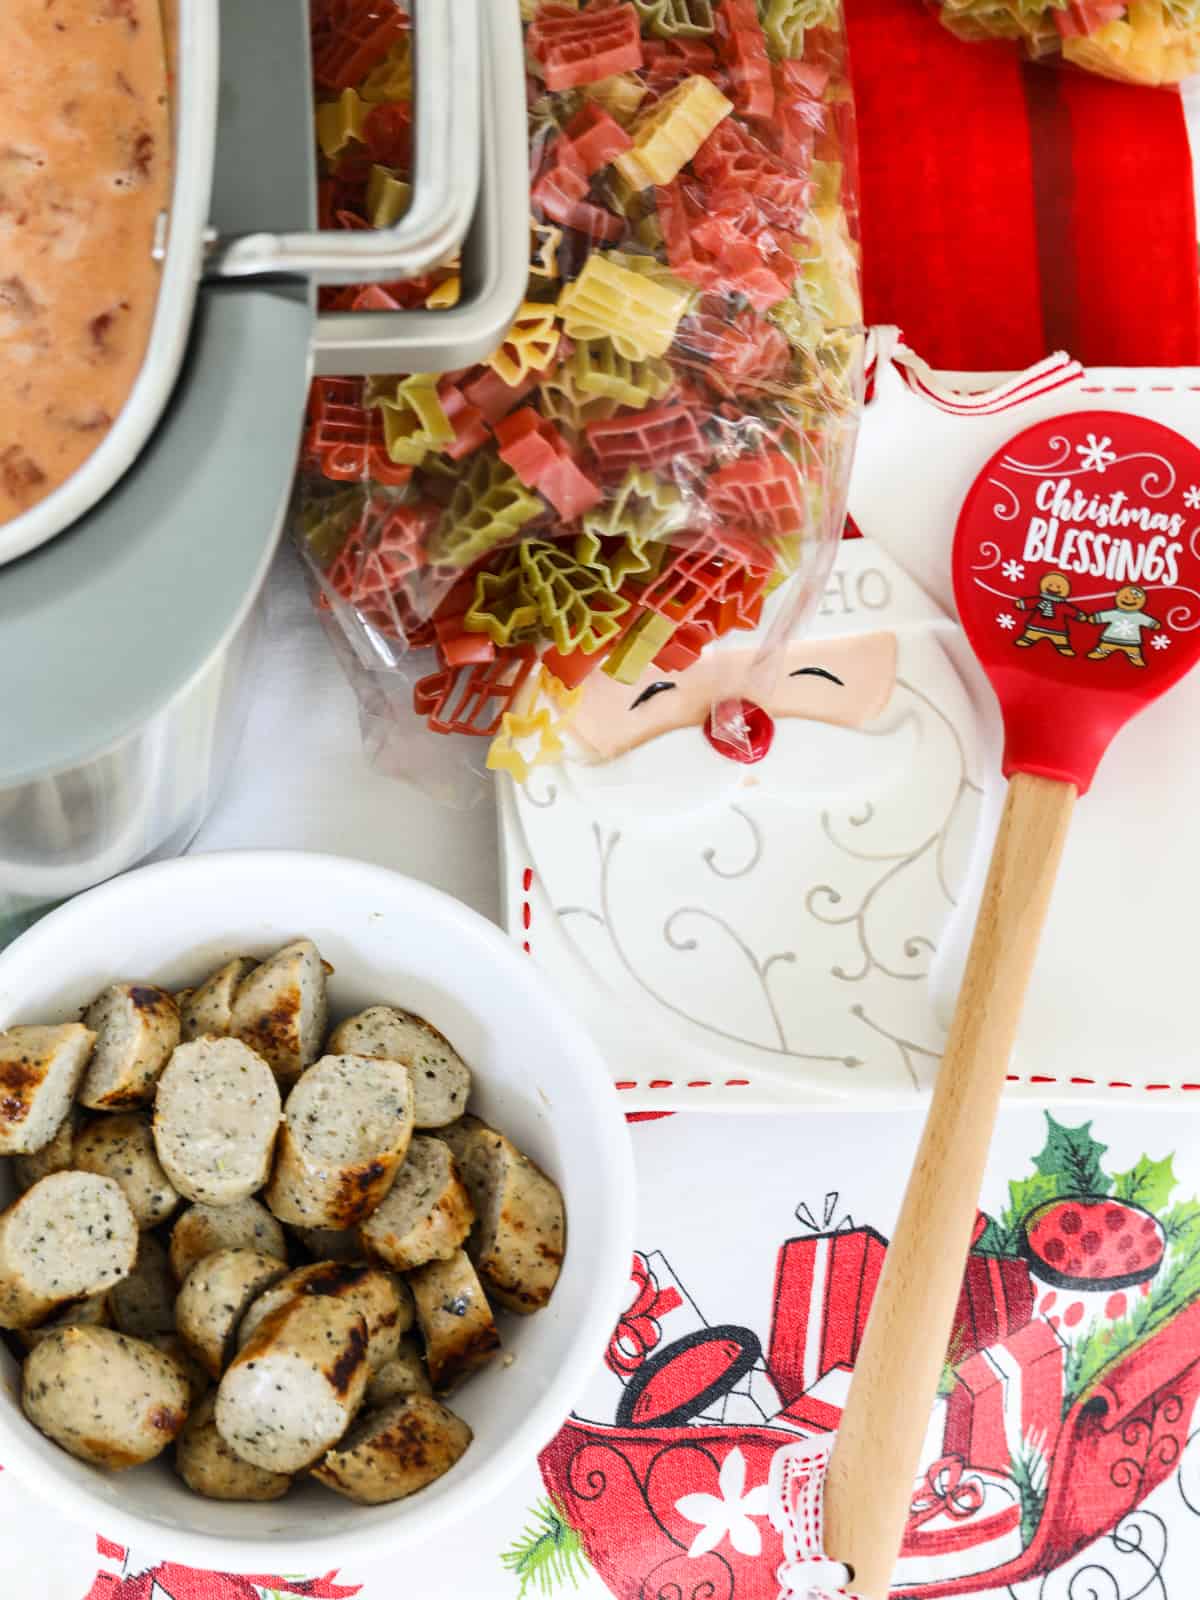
[639, 1331]
[946, 1491]
[184, 1583]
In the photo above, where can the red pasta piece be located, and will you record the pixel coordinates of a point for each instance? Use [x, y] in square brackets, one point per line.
[355, 36]
[645, 439]
[576, 47]
[705, 572]
[759, 491]
[345, 439]
[733, 163]
[1082, 17]
[473, 699]
[559, 194]
[670, 61]
[470, 429]
[494, 398]
[594, 138]
[737, 355]
[388, 132]
[535, 450]
[744, 52]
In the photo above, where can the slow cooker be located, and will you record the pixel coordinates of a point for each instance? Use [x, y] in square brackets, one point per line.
[127, 597]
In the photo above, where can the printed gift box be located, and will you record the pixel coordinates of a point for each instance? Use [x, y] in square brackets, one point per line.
[1007, 1399]
[824, 1285]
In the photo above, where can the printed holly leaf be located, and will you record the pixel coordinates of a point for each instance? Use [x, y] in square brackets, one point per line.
[997, 1238]
[1182, 1223]
[1026, 1193]
[1147, 1183]
[1004, 1237]
[1072, 1156]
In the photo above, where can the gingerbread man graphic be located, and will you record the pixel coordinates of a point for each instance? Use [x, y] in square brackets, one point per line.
[1124, 623]
[1052, 609]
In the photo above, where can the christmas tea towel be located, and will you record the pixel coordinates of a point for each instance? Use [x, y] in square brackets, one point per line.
[1061, 1459]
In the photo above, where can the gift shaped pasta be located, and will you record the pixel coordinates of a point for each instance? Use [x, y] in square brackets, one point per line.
[654, 459]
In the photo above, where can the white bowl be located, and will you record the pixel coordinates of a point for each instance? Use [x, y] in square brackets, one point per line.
[537, 1076]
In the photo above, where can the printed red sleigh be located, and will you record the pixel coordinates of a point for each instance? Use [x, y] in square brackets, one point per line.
[667, 1502]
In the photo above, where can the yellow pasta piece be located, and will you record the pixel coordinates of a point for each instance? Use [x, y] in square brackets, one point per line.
[608, 301]
[446, 294]
[339, 121]
[1146, 47]
[528, 346]
[414, 421]
[666, 137]
[629, 659]
[392, 79]
[620, 95]
[387, 197]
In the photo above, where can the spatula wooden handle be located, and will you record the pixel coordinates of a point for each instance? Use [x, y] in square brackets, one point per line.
[883, 1427]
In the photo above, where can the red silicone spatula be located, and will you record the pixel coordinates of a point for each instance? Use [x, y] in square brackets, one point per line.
[1077, 576]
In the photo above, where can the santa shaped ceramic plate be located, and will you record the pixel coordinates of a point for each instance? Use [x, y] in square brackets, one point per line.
[790, 930]
[762, 913]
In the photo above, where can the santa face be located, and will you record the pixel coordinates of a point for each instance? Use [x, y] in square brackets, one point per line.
[686, 739]
[767, 902]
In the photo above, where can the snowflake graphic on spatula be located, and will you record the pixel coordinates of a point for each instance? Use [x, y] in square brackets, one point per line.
[1096, 454]
[727, 1515]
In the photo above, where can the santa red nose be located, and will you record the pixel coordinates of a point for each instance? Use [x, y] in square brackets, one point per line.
[739, 730]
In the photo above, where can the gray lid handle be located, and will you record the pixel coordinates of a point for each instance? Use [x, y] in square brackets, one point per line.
[446, 147]
[495, 263]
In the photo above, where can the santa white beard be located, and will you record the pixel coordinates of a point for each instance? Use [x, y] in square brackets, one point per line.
[788, 909]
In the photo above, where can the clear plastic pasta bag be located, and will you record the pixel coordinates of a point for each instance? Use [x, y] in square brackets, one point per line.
[645, 483]
[1154, 42]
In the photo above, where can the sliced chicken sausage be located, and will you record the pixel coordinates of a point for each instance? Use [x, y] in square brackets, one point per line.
[136, 1027]
[215, 1294]
[455, 1320]
[520, 1235]
[143, 1304]
[425, 1215]
[280, 1009]
[121, 1147]
[216, 1117]
[386, 1303]
[441, 1078]
[203, 1229]
[209, 1467]
[394, 1452]
[404, 1374]
[40, 1071]
[347, 1125]
[72, 1234]
[106, 1398]
[52, 1157]
[94, 1312]
[209, 1008]
[295, 1388]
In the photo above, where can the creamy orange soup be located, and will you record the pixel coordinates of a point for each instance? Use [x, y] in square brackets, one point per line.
[84, 167]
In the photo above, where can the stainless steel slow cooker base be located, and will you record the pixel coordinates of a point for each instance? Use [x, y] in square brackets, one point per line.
[123, 640]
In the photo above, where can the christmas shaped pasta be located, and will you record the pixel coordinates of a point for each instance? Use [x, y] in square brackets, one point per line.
[660, 441]
[1151, 42]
